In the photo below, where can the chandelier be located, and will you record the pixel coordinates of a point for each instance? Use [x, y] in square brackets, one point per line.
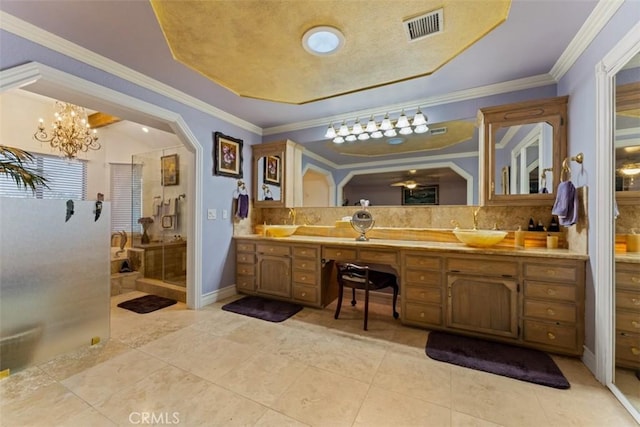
[373, 129]
[70, 132]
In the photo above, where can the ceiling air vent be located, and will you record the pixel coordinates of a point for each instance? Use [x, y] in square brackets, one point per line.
[424, 25]
[438, 131]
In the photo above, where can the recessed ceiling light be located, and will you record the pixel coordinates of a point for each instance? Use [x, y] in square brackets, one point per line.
[322, 40]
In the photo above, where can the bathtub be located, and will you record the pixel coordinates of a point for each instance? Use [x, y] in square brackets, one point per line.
[126, 281]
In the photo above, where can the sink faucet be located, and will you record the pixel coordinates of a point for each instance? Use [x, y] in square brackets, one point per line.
[292, 216]
[475, 218]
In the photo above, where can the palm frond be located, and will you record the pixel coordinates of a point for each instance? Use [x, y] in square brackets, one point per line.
[14, 164]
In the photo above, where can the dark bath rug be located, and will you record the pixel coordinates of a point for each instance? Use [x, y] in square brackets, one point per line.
[262, 308]
[523, 364]
[147, 303]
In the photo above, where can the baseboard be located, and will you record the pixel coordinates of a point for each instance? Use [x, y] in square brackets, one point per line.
[218, 295]
[589, 360]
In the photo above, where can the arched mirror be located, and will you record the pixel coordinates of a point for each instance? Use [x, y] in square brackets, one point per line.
[276, 170]
[523, 146]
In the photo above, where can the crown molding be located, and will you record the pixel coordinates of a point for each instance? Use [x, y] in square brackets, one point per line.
[51, 41]
[596, 21]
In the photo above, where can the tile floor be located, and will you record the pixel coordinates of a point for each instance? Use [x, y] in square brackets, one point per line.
[214, 368]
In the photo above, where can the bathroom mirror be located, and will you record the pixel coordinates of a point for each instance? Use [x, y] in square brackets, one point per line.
[627, 147]
[276, 169]
[523, 145]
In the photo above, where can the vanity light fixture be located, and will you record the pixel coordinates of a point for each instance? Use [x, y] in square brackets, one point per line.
[322, 40]
[387, 127]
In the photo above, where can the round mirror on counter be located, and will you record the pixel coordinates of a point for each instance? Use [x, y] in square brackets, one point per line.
[362, 221]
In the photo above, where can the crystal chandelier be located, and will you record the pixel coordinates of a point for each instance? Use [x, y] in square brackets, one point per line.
[373, 129]
[70, 132]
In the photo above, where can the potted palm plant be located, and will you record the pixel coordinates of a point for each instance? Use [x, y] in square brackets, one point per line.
[14, 164]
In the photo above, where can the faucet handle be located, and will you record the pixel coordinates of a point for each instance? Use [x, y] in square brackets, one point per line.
[455, 223]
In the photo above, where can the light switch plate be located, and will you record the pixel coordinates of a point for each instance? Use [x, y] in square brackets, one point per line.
[212, 214]
[225, 214]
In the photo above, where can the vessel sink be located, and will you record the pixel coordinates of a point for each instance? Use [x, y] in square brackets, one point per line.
[480, 238]
[280, 230]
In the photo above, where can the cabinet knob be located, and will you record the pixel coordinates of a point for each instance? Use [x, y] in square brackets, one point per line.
[421, 294]
[551, 272]
[270, 249]
[338, 253]
[551, 291]
[550, 312]
[422, 277]
[304, 294]
[635, 301]
[422, 314]
[635, 279]
[551, 336]
[304, 252]
[303, 278]
[635, 351]
[635, 324]
[304, 264]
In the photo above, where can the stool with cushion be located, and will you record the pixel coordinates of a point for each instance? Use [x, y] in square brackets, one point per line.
[362, 277]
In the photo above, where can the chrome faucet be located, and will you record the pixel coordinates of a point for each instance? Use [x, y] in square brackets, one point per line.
[475, 218]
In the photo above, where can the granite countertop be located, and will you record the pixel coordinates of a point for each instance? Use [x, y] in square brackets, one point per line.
[422, 245]
[630, 257]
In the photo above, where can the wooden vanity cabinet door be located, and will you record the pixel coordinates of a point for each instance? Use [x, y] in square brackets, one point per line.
[627, 299]
[486, 305]
[273, 270]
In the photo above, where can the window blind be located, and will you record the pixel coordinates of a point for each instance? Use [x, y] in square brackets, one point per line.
[126, 197]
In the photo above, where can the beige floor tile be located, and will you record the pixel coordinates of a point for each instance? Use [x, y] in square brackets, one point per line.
[207, 356]
[582, 406]
[257, 333]
[322, 398]
[418, 377]
[458, 419]
[22, 384]
[385, 408]
[68, 364]
[263, 377]
[184, 398]
[48, 405]
[495, 398]
[99, 382]
[221, 323]
[276, 419]
[629, 384]
[88, 417]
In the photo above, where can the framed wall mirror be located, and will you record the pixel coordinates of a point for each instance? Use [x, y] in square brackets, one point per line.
[276, 170]
[523, 145]
[627, 134]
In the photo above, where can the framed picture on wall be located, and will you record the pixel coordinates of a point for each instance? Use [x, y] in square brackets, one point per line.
[272, 170]
[227, 155]
[169, 170]
[421, 195]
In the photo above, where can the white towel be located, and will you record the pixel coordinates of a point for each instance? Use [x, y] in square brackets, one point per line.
[566, 204]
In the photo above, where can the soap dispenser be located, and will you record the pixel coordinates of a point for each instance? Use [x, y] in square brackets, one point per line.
[532, 225]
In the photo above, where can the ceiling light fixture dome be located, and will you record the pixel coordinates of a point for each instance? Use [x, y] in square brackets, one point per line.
[322, 40]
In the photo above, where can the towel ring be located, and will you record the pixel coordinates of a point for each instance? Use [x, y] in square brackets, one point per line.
[566, 169]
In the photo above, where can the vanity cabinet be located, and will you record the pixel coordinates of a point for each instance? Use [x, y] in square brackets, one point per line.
[628, 315]
[482, 296]
[273, 269]
[306, 276]
[553, 305]
[421, 293]
[246, 266]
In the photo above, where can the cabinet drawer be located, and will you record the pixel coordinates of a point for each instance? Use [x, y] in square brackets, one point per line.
[339, 254]
[628, 347]
[628, 299]
[483, 266]
[549, 291]
[423, 313]
[304, 264]
[628, 279]
[421, 261]
[382, 257]
[246, 283]
[567, 273]
[550, 311]
[419, 277]
[273, 249]
[423, 295]
[550, 334]
[246, 269]
[305, 293]
[628, 321]
[308, 277]
[245, 247]
[303, 252]
[243, 257]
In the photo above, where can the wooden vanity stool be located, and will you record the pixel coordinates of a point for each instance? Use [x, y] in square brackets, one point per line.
[361, 277]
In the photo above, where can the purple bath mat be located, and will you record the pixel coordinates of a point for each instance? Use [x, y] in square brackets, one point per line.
[523, 364]
[262, 308]
[147, 304]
